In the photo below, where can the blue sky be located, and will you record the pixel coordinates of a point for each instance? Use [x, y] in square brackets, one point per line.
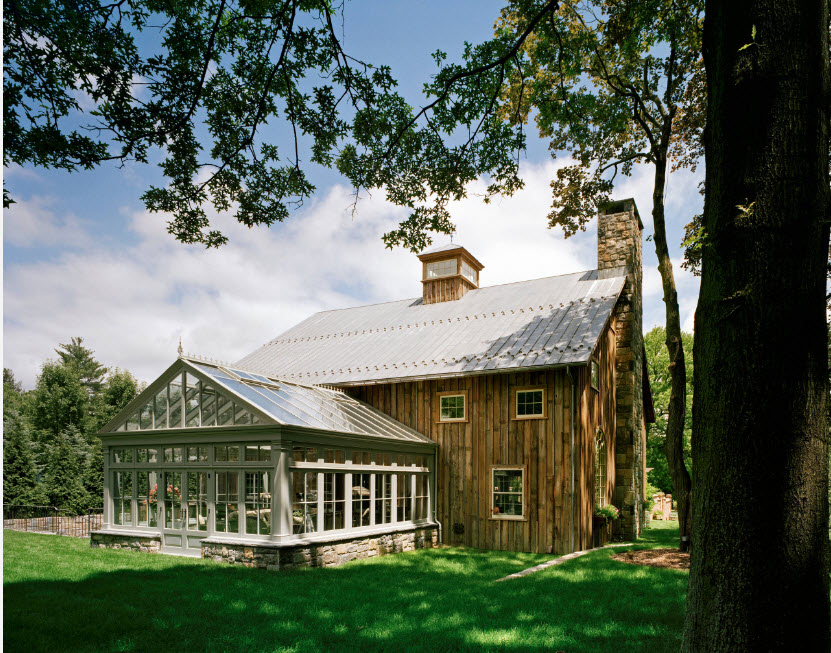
[81, 256]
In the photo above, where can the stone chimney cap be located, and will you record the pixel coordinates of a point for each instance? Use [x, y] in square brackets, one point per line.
[619, 206]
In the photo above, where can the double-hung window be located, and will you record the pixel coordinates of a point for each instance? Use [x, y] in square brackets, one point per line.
[508, 492]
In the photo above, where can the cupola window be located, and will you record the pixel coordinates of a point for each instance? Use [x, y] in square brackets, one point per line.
[441, 269]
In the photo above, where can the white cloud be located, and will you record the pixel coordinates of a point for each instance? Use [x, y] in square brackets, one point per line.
[131, 304]
[34, 223]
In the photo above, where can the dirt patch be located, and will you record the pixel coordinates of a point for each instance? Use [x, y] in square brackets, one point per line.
[664, 558]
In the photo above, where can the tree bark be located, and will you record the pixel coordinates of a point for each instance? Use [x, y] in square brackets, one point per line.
[760, 564]
[676, 411]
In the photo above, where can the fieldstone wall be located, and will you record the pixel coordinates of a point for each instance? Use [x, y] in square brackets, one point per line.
[324, 554]
[619, 243]
[135, 542]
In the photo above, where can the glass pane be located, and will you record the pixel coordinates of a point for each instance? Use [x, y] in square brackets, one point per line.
[233, 454]
[152, 455]
[191, 401]
[202, 454]
[147, 489]
[133, 422]
[174, 391]
[160, 411]
[265, 452]
[191, 455]
[220, 454]
[340, 457]
[251, 453]
[173, 500]
[529, 402]
[242, 416]
[311, 455]
[141, 455]
[507, 492]
[208, 405]
[146, 416]
[297, 454]
[225, 410]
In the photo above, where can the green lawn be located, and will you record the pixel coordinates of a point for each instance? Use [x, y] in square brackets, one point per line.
[60, 595]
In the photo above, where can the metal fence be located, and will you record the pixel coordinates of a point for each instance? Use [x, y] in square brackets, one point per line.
[48, 519]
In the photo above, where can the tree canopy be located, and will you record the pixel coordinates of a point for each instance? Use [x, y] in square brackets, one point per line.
[207, 75]
[51, 449]
[657, 362]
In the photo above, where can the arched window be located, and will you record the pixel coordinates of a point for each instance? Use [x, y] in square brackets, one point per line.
[600, 469]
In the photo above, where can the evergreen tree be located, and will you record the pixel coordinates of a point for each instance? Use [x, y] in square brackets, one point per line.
[19, 473]
[59, 400]
[90, 372]
[93, 479]
[118, 390]
[63, 479]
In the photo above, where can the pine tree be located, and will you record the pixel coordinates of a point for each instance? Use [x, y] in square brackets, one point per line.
[90, 372]
[93, 479]
[19, 473]
[63, 479]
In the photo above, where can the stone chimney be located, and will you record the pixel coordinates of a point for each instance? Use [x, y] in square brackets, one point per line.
[619, 244]
[447, 273]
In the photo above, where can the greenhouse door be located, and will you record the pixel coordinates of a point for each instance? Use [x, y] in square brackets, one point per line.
[186, 513]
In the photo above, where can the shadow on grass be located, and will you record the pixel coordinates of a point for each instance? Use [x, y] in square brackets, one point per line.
[79, 599]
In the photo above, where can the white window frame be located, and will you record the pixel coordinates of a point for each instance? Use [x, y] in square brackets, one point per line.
[447, 395]
[518, 391]
[523, 493]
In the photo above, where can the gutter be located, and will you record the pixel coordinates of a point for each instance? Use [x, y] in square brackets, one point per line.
[570, 374]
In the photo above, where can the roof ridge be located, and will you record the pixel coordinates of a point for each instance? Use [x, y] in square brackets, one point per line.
[496, 285]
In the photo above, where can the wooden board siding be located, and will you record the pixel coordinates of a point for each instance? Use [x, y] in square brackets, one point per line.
[467, 450]
[597, 411]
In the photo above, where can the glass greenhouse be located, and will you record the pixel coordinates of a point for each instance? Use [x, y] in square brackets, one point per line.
[209, 455]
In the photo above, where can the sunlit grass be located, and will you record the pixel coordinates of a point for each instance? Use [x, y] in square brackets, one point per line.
[60, 595]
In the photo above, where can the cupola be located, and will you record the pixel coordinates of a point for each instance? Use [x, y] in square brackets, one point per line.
[448, 272]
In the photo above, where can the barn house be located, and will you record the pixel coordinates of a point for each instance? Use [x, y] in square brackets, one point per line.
[495, 417]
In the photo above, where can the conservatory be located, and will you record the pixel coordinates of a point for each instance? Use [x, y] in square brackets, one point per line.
[226, 463]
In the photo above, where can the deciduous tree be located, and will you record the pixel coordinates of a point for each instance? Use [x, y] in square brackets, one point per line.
[657, 363]
[759, 575]
[614, 84]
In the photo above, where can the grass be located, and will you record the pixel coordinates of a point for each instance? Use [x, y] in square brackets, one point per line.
[60, 595]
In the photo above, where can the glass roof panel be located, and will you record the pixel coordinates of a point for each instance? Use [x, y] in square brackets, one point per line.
[280, 411]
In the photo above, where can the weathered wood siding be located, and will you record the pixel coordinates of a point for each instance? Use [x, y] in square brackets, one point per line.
[468, 450]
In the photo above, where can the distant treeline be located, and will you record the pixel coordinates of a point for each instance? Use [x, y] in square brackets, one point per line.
[51, 451]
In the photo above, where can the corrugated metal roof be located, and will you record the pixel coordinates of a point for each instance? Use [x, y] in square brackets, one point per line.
[541, 323]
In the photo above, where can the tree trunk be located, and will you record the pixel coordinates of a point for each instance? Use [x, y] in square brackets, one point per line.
[676, 411]
[759, 576]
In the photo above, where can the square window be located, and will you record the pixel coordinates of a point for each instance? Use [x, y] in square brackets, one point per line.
[452, 407]
[530, 403]
[508, 493]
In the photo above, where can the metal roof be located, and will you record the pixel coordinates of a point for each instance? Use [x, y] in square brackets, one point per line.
[546, 322]
[442, 248]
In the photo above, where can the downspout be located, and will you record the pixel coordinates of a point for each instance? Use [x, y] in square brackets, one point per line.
[570, 374]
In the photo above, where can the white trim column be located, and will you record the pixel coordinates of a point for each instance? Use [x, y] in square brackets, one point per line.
[281, 498]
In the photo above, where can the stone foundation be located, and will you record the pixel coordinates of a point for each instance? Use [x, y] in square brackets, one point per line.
[285, 555]
[124, 540]
[323, 554]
